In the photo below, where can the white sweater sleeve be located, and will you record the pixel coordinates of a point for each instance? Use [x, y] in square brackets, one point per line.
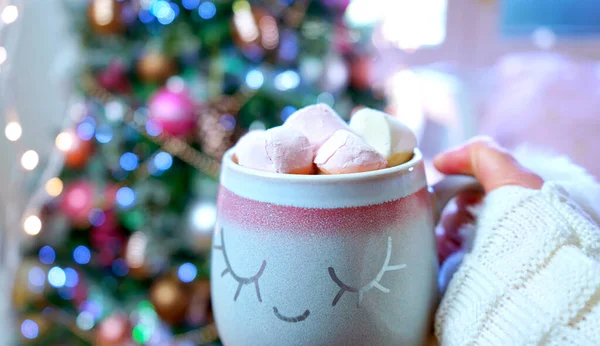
[531, 278]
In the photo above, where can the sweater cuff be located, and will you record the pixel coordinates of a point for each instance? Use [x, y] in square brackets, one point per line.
[533, 269]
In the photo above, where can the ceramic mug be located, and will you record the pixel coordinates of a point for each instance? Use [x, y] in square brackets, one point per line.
[326, 259]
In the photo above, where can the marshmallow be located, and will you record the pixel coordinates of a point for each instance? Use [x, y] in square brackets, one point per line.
[317, 122]
[280, 150]
[345, 152]
[390, 137]
[250, 151]
[289, 151]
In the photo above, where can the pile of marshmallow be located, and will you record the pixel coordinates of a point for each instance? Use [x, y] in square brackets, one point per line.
[315, 139]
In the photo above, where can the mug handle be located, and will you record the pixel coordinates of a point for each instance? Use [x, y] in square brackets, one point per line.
[449, 187]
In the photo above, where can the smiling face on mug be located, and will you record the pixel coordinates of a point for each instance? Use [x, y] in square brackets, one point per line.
[314, 271]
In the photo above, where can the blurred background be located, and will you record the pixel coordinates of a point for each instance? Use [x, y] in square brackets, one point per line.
[115, 114]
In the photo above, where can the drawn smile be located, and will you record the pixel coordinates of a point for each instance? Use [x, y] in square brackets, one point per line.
[298, 318]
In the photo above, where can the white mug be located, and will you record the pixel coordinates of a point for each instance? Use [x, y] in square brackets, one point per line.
[326, 259]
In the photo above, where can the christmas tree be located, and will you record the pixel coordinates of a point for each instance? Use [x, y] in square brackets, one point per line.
[119, 251]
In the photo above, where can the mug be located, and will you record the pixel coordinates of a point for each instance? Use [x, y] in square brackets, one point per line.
[326, 259]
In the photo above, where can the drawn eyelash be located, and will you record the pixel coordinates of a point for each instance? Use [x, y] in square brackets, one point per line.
[375, 283]
[240, 280]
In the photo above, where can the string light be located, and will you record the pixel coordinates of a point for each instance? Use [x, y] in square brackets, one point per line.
[255, 79]
[9, 14]
[30, 160]
[3, 55]
[13, 131]
[244, 21]
[103, 12]
[54, 187]
[32, 225]
[64, 141]
[29, 329]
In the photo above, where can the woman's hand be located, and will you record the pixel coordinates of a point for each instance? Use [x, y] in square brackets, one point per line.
[493, 167]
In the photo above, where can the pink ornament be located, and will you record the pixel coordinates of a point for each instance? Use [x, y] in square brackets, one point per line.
[173, 111]
[79, 198]
[77, 202]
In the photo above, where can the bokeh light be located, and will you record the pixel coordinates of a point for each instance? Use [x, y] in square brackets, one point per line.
[207, 10]
[9, 14]
[255, 79]
[136, 250]
[120, 267]
[47, 255]
[64, 141]
[30, 160]
[85, 320]
[287, 80]
[326, 98]
[227, 122]
[13, 131]
[125, 197]
[190, 4]
[29, 329]
[269, 33]
[204, 216]
[286, 112]
[36, 276]
[57, 277]
[54, 187]
[187, 272]
[114, 111]
[82, 254]
[163, 161]
[257, 125]
[3, 55]
[32, 225]
[129, 161]
[72, 278]
[104, 134]
[153, 128]
[96, 217]
[85, 129]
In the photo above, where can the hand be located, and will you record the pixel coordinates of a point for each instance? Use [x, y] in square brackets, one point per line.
[493, 167]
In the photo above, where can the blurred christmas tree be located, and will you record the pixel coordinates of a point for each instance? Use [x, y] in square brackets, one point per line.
[167, 88]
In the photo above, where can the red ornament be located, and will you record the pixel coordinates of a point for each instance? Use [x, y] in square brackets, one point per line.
[79, 198]
[107, 239]
[114, 78]
[174, 111]
[360, 73]
[79, 153]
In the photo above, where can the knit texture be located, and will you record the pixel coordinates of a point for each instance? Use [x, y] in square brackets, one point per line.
[532, 276]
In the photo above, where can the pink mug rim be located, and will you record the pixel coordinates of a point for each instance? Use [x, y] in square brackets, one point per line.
[229, 164]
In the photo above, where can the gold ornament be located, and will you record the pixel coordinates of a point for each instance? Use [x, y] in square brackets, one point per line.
[155, 67]
[25, 293]
[170, 299]
[105, 16]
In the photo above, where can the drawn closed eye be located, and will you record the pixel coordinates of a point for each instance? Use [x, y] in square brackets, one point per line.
[240, 279]
[375, 283]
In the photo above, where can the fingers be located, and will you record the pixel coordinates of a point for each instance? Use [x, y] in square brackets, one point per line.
[492, 165]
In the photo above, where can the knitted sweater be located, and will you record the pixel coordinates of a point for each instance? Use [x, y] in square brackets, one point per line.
[531, 278]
